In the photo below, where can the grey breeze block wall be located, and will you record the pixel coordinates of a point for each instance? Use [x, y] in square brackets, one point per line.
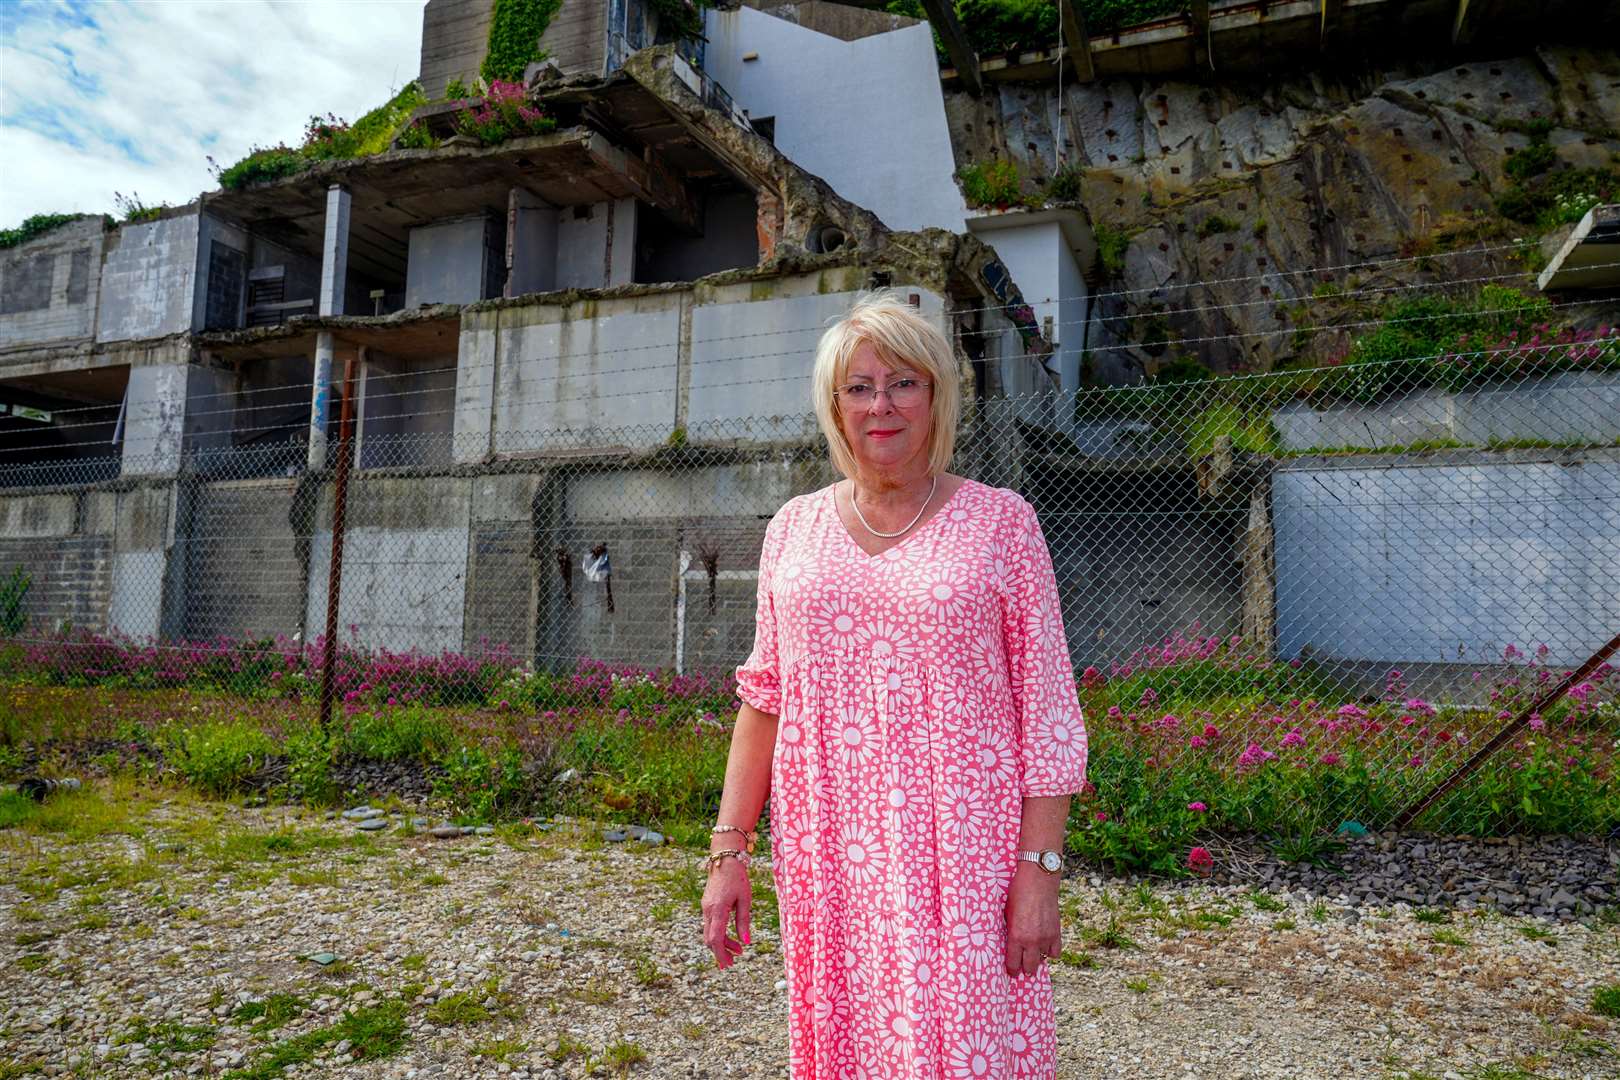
[48, 288]
[64, 544]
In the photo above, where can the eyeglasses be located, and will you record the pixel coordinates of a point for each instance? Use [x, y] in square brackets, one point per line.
[903, 393]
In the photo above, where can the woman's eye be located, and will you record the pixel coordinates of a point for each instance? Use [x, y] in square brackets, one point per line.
[903, 384]
[857, 389]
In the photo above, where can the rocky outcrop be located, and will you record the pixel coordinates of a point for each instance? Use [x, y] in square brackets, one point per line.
[1241, 202]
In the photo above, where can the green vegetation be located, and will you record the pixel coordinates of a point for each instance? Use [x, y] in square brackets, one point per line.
[1545, 194]
[514, 37]
[13, 593]
[373, 1032]
[1214, 225]
[33, 227]
[995, 183]
[326, 138]
[998, 26]
[133, 210]
[1606, 1000]
[1112, 244]
[218, 758]
[1064, 185]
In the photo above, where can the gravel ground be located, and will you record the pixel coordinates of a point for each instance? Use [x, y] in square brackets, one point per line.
[159, 934]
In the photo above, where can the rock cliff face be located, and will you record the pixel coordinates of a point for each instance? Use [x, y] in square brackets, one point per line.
[1255, 192]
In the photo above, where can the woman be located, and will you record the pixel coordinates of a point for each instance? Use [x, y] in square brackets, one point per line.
[910, 708]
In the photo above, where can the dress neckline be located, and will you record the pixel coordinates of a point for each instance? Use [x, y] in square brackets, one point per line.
[922, 526]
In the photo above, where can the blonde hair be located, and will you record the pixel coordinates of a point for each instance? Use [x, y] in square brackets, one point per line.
[902, 337]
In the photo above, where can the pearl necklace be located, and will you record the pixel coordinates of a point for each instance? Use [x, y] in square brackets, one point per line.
[891, 535]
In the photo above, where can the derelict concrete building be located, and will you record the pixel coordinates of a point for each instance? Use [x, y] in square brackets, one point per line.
[628, 301]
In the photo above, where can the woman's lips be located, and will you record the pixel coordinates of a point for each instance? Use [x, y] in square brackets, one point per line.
[882, 434]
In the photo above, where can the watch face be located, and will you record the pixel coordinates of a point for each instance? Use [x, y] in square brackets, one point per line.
[1051, 862]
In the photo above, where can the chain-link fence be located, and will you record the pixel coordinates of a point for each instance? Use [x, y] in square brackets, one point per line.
[1299, 597]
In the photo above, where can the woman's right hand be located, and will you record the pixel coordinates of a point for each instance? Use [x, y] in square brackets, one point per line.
[727, 892]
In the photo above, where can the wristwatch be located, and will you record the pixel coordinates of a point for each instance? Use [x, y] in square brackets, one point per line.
[1050, 861]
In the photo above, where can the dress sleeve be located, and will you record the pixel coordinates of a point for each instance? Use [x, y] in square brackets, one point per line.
[759, 677]
[1046, 703]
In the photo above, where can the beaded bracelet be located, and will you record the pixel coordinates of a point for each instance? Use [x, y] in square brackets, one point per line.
[748, 837]
[714, 857]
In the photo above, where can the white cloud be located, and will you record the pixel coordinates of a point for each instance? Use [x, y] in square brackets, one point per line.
[133, 96]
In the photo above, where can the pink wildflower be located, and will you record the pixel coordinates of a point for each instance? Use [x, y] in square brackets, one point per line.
[1200, 861]
[1197, 807]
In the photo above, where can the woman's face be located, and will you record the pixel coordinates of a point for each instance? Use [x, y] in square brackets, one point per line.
[882, 436]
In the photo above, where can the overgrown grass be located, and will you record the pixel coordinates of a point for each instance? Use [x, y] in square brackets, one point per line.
[373, 1032]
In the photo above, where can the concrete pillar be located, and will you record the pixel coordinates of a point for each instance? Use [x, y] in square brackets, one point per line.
[335, 251]
[621, 242]
[320, 403]
[171, 408]
[475, 387]
[531, 244]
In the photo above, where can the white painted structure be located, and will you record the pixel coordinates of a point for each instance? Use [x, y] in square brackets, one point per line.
[1044, 250]
[1447, 563]
[867, 116]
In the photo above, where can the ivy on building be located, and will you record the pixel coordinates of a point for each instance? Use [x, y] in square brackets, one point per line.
[514, 37]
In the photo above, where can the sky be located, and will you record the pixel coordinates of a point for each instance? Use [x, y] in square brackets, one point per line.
[133, 96]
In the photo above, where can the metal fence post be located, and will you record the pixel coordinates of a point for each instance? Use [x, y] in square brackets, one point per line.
[334, 576]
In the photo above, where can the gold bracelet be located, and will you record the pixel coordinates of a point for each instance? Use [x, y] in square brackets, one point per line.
[714, 858]
[748, 837]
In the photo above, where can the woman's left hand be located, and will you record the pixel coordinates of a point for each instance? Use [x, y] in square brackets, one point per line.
[1034, 929]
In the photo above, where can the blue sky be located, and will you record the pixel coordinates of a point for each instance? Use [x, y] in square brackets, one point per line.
[133, 96]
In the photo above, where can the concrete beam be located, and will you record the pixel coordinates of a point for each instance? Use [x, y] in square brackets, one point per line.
[1590, 257]
[335, 251]
[1077, 41]
[943, 17]
[651, 181]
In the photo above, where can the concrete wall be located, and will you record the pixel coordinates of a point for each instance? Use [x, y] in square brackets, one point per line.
[729, 241]
[596, 245]
[1567, 407]
[406, 411]
[175, 407]
[696, 359]
[752, 358]
[302, 280]
[455, 37]
[585, 370]
[533, 245]
[142, 537]
[837, 109]
[453, 262]
[64, 543]
[576, 37]
[404, 564]
[1138, 556]
[243, 576]
[1448, 563]
[148, 279]
[49, 288]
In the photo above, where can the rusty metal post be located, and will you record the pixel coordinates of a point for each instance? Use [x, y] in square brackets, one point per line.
[1512, 728]
[334, 575]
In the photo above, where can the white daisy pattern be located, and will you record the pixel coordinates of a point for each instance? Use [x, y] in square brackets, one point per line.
[921, 694]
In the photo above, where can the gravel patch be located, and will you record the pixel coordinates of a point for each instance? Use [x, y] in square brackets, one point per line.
[207, 938]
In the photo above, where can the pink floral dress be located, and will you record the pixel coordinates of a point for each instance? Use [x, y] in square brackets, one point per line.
[921, 695]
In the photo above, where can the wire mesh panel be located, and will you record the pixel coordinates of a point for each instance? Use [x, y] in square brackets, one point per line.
[1293, 600]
